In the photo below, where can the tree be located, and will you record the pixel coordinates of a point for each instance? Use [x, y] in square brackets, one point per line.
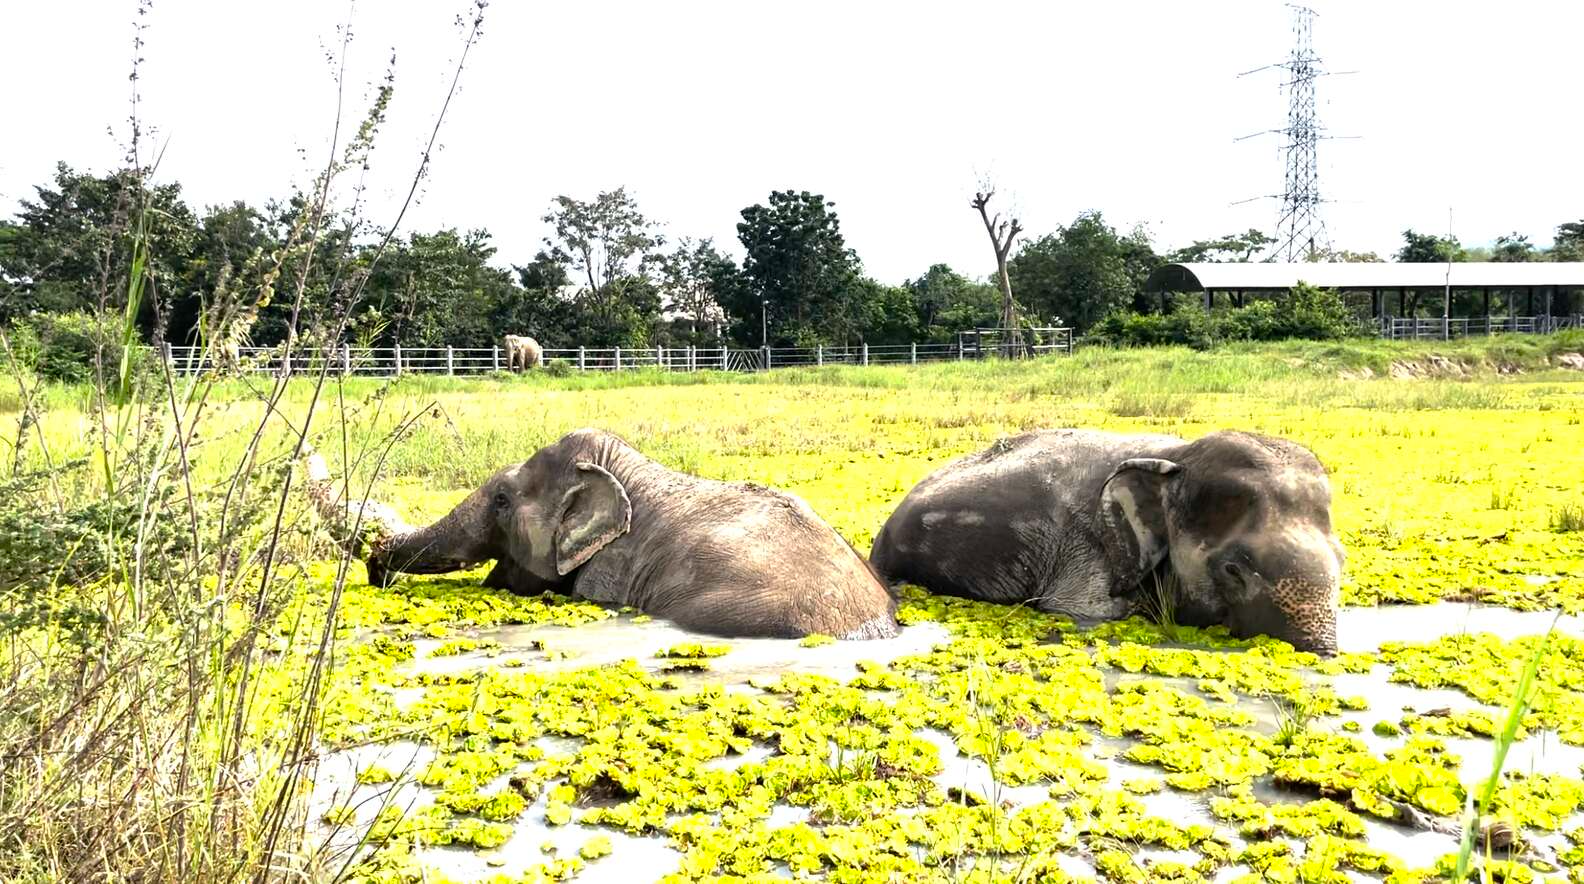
[1233, 248]
[1343, 256]
[1514, 248]
[441, 288]
[1569, 244]
[613, 246]
[1002, 233]
[67, 250]
[228, 238]
[605, 239]
[946, 302]
[798, 269]
[1083, 271]
[687, 281]
[1424, 248]
[536, 306]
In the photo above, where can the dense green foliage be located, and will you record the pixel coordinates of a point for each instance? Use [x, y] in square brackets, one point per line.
[606, 276]
[1308, 313]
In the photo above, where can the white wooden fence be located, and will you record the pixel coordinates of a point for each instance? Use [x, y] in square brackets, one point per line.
[390, 361]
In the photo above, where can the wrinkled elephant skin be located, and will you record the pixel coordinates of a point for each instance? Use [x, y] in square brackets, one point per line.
[592, 516]
[1233, 528]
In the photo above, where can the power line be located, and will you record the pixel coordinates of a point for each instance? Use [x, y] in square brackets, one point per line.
[1300, 229]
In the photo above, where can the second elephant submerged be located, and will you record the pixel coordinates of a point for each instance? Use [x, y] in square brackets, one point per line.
[592, 516]
[1237, 526]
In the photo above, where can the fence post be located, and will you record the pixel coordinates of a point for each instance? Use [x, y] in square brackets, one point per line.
[959, 349]
[582, 360]
[766, 350]
[495, 358]
[660, 358]
[819, 354]
[449, 365]
[866, 353]
[692, 357]
[618, 359]
[346, 359]
[170, 357]
[914, 353]
[396, 355]
[725, 351]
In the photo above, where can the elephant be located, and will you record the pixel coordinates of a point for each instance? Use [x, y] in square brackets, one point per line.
[591, 516]
[522, 353]
[1236, 527]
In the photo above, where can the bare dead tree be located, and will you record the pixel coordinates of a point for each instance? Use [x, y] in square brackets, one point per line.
[1001, 235]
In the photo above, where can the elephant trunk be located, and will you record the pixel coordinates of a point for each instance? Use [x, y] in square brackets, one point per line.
[450, 544]
[1297, 602]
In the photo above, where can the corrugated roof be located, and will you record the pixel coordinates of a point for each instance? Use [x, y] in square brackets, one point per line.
[1371, 275]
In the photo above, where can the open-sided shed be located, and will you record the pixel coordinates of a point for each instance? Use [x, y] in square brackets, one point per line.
[1550, 286]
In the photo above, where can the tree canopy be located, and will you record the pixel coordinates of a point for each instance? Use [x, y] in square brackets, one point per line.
[607, 274]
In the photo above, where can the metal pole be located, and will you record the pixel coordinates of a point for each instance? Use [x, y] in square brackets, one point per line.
[866, 353]
[396, 358]
[346, 360]
[618, 359]
[764, 324]
[450, 365]
[582, 360]
[495, 358]
[170, 357]
[725, 351]
[914, 354]
[819, 354]
[766, 357]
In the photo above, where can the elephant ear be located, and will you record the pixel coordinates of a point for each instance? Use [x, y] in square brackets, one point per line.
[1133, 513]
[592, 513]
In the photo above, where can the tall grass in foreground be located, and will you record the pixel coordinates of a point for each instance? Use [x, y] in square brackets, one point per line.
[1523, 694]
[162, 653]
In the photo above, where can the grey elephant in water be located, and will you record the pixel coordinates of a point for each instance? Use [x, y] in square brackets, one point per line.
[1083, 523]
[592, 516]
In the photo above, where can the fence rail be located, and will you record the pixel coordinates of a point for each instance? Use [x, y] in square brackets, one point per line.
[1445, 329]
[971, 345]
[389, 361]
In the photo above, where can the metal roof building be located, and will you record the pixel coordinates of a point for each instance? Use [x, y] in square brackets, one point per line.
[1557, 282]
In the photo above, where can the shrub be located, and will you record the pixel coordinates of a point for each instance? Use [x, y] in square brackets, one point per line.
[558, 368]
[1307, 312]
[62, 346]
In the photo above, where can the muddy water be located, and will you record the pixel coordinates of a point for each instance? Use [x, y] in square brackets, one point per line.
[645, 858]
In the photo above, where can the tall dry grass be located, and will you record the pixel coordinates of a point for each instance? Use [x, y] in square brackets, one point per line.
[162, 654]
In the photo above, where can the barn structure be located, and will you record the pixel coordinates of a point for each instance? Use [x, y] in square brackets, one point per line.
[1527, 289]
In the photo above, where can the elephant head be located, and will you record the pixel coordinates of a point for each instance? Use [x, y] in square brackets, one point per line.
[1244, 522]
[542, 519]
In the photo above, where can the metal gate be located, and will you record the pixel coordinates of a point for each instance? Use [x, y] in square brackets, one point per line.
[745, 360]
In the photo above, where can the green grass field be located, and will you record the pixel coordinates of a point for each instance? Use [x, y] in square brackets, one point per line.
[1463, 484]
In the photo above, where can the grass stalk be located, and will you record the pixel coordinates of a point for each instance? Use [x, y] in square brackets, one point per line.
[1523, 694]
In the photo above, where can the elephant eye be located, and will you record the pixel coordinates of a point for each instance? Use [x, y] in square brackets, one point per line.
[501, 500]
[1232, 570]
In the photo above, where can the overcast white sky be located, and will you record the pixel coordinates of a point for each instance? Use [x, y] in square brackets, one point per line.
[891, 109]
